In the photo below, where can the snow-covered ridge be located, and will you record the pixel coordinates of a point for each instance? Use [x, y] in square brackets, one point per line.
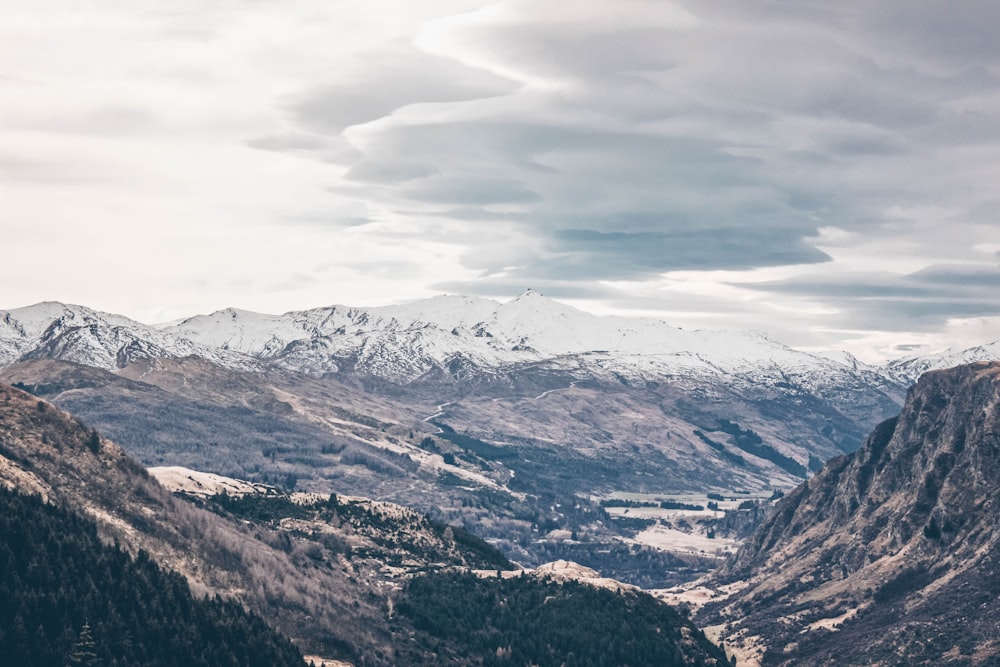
[94, 338]
[907, 370]
[450, 334]
[405, 341]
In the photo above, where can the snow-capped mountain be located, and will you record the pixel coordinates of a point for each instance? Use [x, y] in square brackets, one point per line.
[909, 369]
[402, 343]
[451, 335]
[93, 338]
[625, 402]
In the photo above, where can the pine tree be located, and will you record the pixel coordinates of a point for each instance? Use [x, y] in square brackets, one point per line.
[82, 652]
[94, 441]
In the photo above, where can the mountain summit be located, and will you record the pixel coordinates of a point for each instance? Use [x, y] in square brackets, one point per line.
[889, 554]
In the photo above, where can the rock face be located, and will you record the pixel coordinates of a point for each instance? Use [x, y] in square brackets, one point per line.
[890, 555]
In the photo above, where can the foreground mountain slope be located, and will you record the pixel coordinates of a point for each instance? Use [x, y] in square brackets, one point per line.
[890, 555]
[324, 579]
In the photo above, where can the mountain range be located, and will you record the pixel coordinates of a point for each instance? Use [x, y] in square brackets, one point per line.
[513, 419]
[446, 334]
[526, 422]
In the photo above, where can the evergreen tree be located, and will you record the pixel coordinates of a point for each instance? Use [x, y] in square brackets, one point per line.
[82, 652]
[94, 441]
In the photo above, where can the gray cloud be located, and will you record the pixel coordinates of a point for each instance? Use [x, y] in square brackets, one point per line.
[922, 300]
[389, 81]
[725, 145]
[459, 190]
[615, 255]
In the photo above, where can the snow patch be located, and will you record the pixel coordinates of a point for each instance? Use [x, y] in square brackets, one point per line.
[195, 482]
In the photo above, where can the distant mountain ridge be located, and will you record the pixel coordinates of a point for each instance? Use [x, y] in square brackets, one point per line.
[53, 330]
[909, 369]
[453, 334]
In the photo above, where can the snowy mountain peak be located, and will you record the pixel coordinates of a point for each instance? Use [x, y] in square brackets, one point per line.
[535, 302]
[907, 370]
[37, 318]
[103, 340]
[528, 294]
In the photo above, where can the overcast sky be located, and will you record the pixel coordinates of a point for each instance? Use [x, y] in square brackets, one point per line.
[828, 172]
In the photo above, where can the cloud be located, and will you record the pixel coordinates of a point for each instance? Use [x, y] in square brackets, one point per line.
[827, 169]
[688, 139]
[924, 300]
[388, 81]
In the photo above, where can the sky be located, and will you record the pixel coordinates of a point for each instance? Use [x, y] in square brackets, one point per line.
[825, 172]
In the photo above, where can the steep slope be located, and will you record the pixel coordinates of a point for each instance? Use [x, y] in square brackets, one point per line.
[889, 555]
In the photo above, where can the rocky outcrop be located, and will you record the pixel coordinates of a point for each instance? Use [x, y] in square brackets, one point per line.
[891, 553]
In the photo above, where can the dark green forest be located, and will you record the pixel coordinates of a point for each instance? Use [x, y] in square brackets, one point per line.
[66, 598]
[526, 620]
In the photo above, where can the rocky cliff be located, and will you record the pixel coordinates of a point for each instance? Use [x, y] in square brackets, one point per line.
[890, 555]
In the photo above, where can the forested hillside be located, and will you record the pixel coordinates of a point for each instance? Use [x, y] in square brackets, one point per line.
[68, 598]
[527, 620]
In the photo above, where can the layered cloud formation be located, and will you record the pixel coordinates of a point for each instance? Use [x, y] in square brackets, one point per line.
[825, 171]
